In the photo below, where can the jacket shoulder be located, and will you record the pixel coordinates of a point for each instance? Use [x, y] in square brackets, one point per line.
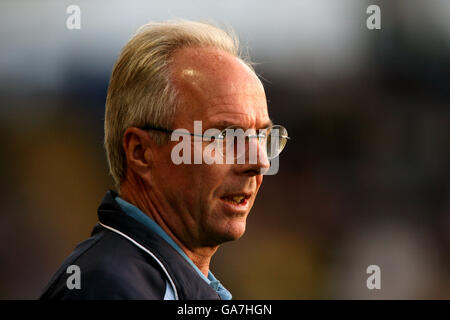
[110, 267]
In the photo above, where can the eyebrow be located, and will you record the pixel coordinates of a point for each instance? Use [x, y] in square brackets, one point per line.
[225, 124]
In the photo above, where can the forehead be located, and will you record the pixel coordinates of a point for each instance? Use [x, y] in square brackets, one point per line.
[216, 87]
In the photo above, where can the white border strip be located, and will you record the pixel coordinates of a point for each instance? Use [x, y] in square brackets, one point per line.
[148, 251]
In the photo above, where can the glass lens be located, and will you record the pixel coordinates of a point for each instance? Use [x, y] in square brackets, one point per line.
[276, 141]
[236, 142]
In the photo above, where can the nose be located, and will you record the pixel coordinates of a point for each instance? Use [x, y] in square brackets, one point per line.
[256, 159]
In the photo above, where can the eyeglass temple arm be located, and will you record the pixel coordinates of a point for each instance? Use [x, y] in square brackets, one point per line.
[149, 127]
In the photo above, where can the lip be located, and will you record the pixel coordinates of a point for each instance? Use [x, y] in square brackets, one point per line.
[237, 208]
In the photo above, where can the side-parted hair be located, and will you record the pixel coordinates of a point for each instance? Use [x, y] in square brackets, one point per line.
[140, 91]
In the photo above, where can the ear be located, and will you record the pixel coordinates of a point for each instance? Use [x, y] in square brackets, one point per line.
[138, 151]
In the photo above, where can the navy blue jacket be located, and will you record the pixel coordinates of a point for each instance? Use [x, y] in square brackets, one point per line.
[123, 260]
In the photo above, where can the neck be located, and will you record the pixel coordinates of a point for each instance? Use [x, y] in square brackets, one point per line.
[135, 192]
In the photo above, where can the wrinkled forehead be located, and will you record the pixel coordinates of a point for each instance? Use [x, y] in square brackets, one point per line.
[213, 83]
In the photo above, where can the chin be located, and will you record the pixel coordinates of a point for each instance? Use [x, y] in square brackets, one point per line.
[230, 231]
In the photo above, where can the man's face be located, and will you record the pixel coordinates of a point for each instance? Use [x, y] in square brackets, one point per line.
[220, 90]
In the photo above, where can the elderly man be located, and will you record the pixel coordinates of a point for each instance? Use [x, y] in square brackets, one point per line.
[156, 236]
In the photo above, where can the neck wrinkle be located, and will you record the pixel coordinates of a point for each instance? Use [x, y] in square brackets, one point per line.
[130, 191]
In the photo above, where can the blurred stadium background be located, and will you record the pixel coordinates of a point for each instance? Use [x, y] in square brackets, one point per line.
[364, 180]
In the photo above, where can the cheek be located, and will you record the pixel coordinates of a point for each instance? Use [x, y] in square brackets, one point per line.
[212, 177]
[174, 181]
[259, 180]
[196, 184]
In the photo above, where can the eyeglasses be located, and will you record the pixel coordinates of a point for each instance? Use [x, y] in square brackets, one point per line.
[235, 141]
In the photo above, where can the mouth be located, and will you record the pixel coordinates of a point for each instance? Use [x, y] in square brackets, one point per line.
[237, 201]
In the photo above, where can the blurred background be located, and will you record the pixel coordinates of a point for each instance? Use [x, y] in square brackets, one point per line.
[364, 179]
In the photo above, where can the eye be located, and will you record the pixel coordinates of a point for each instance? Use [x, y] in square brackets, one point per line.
[263, 133]
[220, 135]
[230, 131]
